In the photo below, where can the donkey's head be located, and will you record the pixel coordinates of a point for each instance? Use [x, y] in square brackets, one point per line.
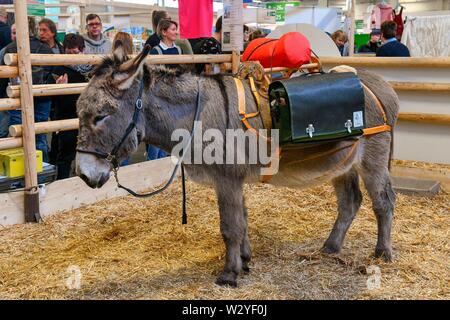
[105, 109]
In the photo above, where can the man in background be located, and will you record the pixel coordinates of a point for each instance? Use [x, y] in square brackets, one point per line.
[40, 75]
[373, 44]
[391, 47]
[94, 40]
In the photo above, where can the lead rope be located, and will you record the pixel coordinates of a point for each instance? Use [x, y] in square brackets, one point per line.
[177, 166]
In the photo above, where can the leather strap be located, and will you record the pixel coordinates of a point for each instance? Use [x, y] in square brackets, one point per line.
[385, 126]
[378, 129]
[245, 116]
[255, 92]
[377, 102]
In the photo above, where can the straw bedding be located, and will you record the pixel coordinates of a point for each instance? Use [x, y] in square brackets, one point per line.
[129, 248]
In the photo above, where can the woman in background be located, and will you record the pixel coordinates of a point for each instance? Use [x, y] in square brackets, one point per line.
[157, 16]
[167, 32]
[125, 40]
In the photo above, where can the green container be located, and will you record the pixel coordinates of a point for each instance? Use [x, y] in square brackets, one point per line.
[317, 107]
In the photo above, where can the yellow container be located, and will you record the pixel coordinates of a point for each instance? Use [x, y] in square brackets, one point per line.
[12, 162]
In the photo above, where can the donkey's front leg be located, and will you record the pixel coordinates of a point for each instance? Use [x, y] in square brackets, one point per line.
[232, 227]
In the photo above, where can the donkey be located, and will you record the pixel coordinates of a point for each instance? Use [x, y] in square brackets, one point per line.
[106, 106]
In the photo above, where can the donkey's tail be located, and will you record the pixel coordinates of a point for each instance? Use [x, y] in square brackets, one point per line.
[391, 151]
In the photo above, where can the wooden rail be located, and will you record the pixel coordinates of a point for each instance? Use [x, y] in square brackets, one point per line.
[443, 119]
[420, 86]
[73, 124]
[72, 59]
[43, 90]
[9, 104]
[389, 62]
[10, 143]
[8, 72]
[46, 127]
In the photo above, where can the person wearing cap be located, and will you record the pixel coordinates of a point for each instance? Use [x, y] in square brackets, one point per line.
[373, 44]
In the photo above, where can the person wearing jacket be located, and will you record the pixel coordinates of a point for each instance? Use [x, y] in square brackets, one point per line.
[157, 16]
[4, 115]
[5, 29]
[66, 107]
[373, 44]
[391, 47]
[40, 75]
[95, 42]
[48, 33]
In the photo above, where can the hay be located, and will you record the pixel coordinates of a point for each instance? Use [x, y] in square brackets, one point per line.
[129, 248]
[420, 164]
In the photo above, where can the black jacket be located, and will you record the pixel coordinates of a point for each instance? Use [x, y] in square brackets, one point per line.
[393, 49]
[5, 35]
[369, 47]
[41, 75]
[66, 106]
[153, 40]
[60, 47]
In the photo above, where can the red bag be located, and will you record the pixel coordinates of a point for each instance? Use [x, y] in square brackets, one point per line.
[292, 50]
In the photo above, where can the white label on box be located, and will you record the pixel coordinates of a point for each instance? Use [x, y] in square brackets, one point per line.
[358, 120]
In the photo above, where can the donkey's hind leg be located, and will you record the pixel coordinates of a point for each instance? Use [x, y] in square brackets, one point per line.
[232, 227]
[246, 252]
[379, 187]
[349, 199]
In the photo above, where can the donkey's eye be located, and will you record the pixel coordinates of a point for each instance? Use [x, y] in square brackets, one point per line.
[97, 119]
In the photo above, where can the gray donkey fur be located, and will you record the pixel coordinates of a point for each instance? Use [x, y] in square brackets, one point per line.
[106, 106]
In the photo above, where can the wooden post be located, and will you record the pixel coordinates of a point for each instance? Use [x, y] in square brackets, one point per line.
[351, 36]
[82, 19]
[24, 64]
[235, 60]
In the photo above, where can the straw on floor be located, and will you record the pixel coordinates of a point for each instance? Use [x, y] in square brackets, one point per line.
[129, 248]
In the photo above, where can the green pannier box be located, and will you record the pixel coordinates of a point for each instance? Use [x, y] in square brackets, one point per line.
[317, 107]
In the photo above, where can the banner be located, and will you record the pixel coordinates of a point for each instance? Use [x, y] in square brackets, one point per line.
[35, 8]
[232, 26]
[196, 18]
[279, 8]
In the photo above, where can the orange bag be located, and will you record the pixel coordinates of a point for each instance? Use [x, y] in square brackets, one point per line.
[292, 50]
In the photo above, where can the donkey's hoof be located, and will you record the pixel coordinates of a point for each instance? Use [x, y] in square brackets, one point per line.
[227, 279]
[245, 268]
[330, 249]
[385, 254]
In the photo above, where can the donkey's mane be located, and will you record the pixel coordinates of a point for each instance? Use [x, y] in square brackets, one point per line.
[108, 62]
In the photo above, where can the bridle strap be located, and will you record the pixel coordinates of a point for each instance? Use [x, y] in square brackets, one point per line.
[133, 124]
[177, 166]
[112, 156]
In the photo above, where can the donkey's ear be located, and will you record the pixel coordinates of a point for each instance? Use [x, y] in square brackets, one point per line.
[119, 52]
[131, 69]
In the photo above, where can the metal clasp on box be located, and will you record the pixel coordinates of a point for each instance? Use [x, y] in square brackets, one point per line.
[310, 130]
[349, 125]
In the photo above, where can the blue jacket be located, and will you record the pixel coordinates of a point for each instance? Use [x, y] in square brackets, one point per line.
[393, 49]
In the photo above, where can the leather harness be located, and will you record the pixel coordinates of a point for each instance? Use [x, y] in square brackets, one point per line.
[263, 115]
